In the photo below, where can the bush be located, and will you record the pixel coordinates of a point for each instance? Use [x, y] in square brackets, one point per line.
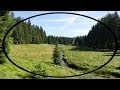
[56, 55]
[8, 42]
[1, 53]
[2, 60]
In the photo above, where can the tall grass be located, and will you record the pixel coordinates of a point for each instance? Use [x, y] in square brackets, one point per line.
[38, 59]
[91, 60]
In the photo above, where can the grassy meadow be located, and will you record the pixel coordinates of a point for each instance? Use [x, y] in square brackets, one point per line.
[89, 60]
[38, 58]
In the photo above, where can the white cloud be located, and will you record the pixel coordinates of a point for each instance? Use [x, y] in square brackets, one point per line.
[61, 20]
[79, 12]
[79, 32]
[73, 32]
[71, 20]
[68, 21]
[50, 28]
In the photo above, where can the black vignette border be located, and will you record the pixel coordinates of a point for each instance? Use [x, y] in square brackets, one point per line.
[59, 5]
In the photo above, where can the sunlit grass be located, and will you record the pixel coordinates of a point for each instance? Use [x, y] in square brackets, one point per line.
[92, 60]
[29, 56]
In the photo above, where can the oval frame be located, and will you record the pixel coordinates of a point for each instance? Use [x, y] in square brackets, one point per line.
[5, 36]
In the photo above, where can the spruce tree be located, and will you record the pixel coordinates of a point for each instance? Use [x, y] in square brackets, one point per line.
[5, 23]
[56, 55]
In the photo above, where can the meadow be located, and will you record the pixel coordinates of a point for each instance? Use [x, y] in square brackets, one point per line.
[38, 58]
[89, 60]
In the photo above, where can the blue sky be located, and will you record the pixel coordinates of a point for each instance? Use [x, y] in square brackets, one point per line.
[64, 24]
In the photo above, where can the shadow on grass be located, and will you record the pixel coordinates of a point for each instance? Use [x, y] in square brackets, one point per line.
[118, 68]
[90, 49]
[74, 66]
[115, 74]
[110, 54]
[96, 50]
[50, 63]
[108, 73]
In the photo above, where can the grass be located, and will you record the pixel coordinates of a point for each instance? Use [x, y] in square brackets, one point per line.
[38, 59]
[92, 60]
[31, 56]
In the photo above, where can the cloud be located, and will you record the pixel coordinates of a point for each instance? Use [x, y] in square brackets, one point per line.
[69, 33]
[78, 32]
[68, 27]
[61, 20]
[71, 21]
[68, 19]
[79, 12]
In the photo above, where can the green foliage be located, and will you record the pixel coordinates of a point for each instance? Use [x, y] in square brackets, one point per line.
[26, 33]
[89, 60]
[100, 37]
[2, 60]
[56, 56]
[80, 41]
[6, 20]
[40, 69]
[59, 40]
[37, 58]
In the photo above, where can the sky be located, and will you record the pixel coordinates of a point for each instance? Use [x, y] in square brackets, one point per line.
[66, 25]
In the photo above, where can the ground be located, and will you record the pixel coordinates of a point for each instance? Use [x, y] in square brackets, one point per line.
[38, 58]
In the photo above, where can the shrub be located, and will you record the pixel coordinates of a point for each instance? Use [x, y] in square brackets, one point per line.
[56, 55]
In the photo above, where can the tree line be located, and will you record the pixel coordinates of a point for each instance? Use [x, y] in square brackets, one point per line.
[26, 33]
[99, 37]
